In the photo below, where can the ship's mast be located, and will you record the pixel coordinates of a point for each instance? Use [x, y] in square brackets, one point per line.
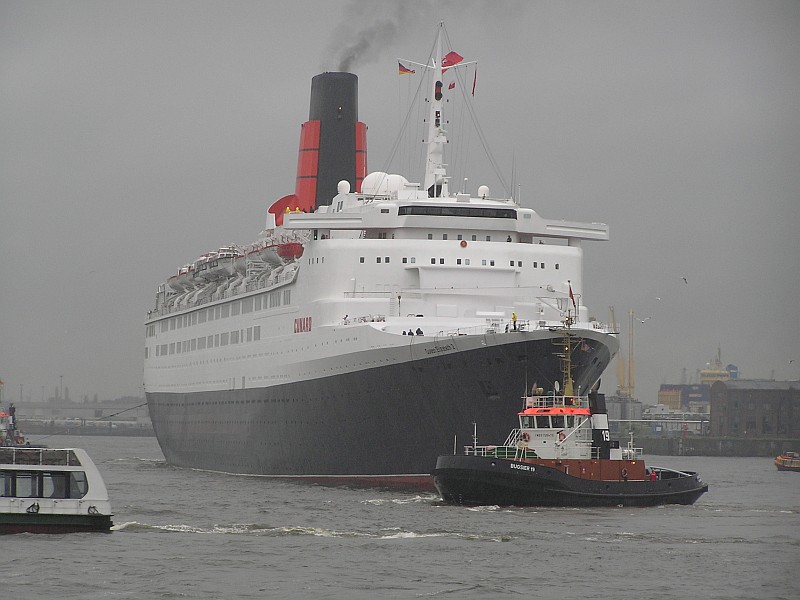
[435, 172]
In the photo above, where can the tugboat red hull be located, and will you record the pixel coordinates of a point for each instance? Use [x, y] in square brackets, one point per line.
[482, 480]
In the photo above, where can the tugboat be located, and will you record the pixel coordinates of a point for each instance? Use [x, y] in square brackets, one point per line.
[788, 461]
[561, 455]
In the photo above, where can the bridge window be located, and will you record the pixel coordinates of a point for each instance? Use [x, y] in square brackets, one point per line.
[542, 422]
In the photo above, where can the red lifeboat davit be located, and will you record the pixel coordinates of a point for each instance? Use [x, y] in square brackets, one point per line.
[290, 250]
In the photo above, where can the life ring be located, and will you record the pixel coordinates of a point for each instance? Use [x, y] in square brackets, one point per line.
[624, 473]
[562, 436]
[463, 243]
[526, 437]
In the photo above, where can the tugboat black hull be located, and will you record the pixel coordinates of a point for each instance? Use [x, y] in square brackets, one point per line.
[481, 480]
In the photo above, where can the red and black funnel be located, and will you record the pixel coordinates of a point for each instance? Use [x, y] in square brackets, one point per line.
[333, 145]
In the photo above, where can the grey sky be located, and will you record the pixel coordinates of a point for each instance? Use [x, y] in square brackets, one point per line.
[138, 135]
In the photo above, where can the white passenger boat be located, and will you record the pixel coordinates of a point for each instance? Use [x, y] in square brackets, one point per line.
[47, 490]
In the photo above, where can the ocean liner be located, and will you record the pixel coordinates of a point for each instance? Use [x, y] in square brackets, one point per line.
[373, 321]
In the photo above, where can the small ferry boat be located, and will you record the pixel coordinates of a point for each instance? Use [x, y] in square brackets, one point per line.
[47, 490]
[561, 455]
[788, 461]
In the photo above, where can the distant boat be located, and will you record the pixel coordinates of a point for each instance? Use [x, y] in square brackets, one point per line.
[10, 435]
[788, 461]
[46, 490]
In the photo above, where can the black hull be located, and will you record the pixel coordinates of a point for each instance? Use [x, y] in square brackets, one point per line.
[388, 420]
[479, 480]
[57, 523]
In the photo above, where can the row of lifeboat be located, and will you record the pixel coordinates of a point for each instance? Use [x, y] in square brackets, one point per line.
[232, 260]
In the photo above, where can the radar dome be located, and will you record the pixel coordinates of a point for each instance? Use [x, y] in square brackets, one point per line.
[343, 187]
[483, 191]
[380, 183]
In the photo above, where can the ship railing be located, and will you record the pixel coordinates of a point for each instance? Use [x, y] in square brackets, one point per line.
[631, 453]
[38, 456]
[551, 401]
[506, 451]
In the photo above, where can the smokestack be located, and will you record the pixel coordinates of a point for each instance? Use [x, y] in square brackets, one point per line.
[333, 146]
[333, 143]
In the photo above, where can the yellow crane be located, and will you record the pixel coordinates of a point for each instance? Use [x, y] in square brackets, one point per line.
[625, 368]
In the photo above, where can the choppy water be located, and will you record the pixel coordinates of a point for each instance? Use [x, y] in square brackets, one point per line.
[187, 534]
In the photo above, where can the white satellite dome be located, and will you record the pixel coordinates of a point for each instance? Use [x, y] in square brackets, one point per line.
[380, 183]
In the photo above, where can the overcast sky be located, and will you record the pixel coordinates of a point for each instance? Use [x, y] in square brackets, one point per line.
[135, 136]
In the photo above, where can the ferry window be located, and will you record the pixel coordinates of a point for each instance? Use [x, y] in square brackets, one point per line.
[378, 259]
[483, 262]
[526, 422]
[458, 261]
[257, 303]
[519, 263]
[146, 352]
[78, 485]
[413, 260]
[180, 322]
[234, 337]
[257, 333]
[444, 236]
[193, 345]
[201, 343]
[172, 323]
[385, 210]
[235, 308]
[405, 260]
[178, 348]
[226, 311]
[491, 263]
[216, 339]
[54, 485]
[542, 422]
[441, 261]
[247, 305]
[210, 341]
[466, 261]
[488, 238]
[193, 319]
[163, 349]
[249, 334]
[556, 266]
[216, 312]
[201, 318]
[558, 421]
[361, 259]
[570, 421]
[386, 259]
[433, 261]
[172, 348]
[223, 339]
[535, 265]
[461, 237]
[26, 485]
[542, 265]
[287, 297]
[512, 263]
[430, 236]
[474, 238]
